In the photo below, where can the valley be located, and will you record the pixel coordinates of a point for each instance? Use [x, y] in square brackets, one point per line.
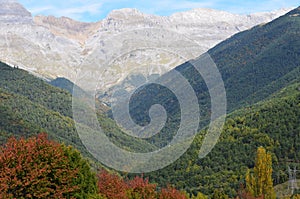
[258, 59]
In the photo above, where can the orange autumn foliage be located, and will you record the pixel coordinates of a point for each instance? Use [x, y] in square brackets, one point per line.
[141, 188]
[112, 186]
[35, 168]
[171, 193]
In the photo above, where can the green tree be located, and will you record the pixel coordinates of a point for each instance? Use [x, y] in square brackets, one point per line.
[219, 194]
[259, 182]
[85, 179]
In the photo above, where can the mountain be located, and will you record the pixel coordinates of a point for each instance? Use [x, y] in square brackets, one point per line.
[146, 44]
[260, 68]
[253, 65]
[57, 47]
[68, 28]
[12, 12]
[261, 61]
[33, 47]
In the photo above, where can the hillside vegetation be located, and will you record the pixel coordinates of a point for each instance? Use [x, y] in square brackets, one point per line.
[261, 72]
[254, 64]
[29, 106]
[273, 123]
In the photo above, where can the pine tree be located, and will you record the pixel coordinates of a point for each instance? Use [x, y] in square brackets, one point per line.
[259, 182]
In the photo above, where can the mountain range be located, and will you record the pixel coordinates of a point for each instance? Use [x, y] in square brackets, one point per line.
[52, 47]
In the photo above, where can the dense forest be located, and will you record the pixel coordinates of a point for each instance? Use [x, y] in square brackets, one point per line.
[41, 168]
[29, 105]
[273, 123]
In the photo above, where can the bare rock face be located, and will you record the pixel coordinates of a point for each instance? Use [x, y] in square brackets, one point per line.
[33, 47]
[67, 27]
[137, 43]
[126, 42]
[12, 12]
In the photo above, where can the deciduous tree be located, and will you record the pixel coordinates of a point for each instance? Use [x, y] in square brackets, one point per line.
[36, 168]
[171, 193]
[259, 182]
[111, 185]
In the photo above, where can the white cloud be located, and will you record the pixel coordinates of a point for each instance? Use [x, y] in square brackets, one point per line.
[76, 9]
[92, 9]
[41, 9]
[175, 5]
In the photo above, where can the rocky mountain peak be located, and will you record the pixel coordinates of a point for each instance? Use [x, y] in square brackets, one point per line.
[201, 15]
[125, 13]
[67, 27]
[11, 12]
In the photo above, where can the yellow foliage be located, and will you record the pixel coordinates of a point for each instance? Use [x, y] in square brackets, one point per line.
[259, 182]
[199, 196]
[297, 196]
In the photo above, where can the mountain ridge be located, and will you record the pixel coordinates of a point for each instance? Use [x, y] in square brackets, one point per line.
[56, 47]
[30, 105]
[253, 64]
[13, 12]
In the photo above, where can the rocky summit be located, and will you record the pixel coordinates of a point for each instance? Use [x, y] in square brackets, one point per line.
[11, 12]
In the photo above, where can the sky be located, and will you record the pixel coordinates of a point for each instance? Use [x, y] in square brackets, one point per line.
[95, 10]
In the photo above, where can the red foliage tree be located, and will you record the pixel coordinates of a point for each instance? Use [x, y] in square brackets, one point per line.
[111, 185]
[171, 193]
[35, 168]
